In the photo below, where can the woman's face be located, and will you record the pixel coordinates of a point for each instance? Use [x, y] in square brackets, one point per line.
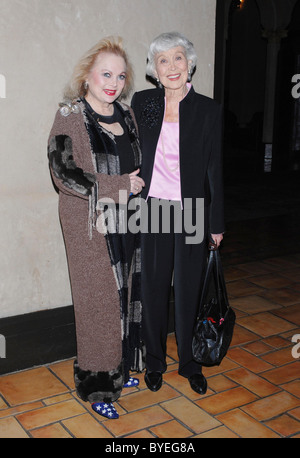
[106, 80]
[172, 68]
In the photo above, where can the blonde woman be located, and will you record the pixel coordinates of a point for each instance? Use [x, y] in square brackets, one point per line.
[94, 156]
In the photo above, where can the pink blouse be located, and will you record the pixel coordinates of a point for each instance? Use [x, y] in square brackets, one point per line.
[165, 183]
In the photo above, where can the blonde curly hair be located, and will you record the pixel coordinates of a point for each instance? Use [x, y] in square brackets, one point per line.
[76, 87]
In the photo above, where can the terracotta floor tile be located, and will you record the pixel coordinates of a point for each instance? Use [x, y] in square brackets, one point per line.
[265, 324]
[246, 359]
[271, 406]
[252, 382]
[50, 414]
[234, 273]
[180, 384]
[238, 313]
[65, 372]
[10, 429]
[292, 274]
[279, 357]
[172, 347]
[226, 400]
[282, 296]
[256, 268]
[291, 313]
[146, 398]
[220, 383]
[258, 347]
[289, 334]
[144, 434]
[19, 409]
[295, 413]
[55, 431]
[273, 280]
[277, 342]
[85, 426]
[190, 415]
[139, 420]
[292, 387]
[59, 398]
[253, 304]
[245, 426]
[3, 405]
[242, 336]
[217, 433]
[280, 263]
[226, 365]
[30, 385]
[171, 430]
[284, 425]
[172, 365]
[283, 374]
[240, 288]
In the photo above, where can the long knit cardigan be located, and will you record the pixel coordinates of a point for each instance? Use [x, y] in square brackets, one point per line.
[100, 327]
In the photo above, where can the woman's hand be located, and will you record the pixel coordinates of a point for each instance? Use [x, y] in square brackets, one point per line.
[136, 182]
[217, 238]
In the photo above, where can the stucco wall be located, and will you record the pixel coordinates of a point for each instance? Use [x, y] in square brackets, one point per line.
[40, 41]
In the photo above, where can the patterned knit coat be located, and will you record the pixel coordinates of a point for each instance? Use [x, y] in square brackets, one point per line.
[106, 300]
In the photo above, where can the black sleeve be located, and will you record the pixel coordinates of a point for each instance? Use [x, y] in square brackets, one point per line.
[67, 176]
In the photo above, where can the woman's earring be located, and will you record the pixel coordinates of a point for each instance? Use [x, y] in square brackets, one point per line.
[189, 76]
[86, 85]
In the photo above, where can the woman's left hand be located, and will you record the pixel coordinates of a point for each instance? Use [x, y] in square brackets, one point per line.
[217, 238]
[136, 183]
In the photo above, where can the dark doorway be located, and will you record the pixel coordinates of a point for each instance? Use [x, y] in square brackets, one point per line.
[243, 61]
[287, 108]
[254, 197]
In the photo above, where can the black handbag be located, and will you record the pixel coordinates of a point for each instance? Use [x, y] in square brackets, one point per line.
[215, 321]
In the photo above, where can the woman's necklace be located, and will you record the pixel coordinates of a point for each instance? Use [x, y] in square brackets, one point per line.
[164, 154]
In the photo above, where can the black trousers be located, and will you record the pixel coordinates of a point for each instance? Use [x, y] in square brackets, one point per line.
[167, 256]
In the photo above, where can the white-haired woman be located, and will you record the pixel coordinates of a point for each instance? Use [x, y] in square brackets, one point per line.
[94, 157]
[180, 134]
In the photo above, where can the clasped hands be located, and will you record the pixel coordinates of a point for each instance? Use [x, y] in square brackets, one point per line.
[136, 183]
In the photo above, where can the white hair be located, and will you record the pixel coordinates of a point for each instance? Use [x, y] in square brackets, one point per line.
[166, 41]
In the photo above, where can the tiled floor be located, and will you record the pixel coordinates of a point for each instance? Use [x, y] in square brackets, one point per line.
[254, 393]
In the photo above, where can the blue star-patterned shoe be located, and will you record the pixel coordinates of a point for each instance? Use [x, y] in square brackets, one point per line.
[106, 410]
[131, 382]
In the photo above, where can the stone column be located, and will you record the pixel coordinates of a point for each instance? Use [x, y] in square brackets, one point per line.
[274, 39]
[275, 17]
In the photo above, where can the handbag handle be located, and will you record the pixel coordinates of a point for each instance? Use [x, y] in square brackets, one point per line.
[214, 257]
[212, 246]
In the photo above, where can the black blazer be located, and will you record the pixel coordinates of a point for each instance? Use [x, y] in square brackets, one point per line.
[200, 149]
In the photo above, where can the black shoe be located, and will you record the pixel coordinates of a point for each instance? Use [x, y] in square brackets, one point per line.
[153, 380]
[198, 383]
